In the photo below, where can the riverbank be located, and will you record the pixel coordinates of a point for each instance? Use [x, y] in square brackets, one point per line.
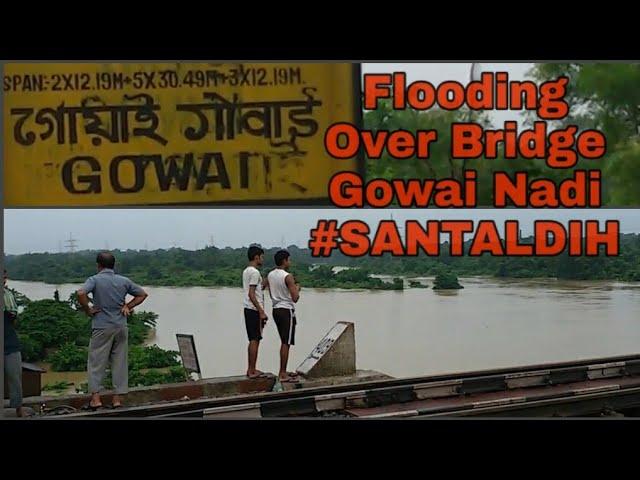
[386, 282]
[55, 333]
[347, 278]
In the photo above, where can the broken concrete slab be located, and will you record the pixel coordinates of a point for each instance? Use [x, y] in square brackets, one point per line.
[334, 356]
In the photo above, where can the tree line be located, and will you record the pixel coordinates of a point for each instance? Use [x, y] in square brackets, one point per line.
[213, 266]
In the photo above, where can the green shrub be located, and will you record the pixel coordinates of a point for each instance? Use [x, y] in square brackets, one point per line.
[21, 299]
[32, 350]
[156, 377]
[69, 358]
[151, 357]
[140, 323]
[57, 386]
[51, 324]
[446, 281]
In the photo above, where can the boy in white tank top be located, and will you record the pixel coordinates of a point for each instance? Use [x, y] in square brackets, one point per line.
[285, 293]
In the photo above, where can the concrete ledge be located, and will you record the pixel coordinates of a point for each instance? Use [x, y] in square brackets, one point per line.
[210, 387]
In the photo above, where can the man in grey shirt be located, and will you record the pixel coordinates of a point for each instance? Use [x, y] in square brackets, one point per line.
[109, 332]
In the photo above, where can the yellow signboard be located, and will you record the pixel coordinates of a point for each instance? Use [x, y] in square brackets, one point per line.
[94, 134]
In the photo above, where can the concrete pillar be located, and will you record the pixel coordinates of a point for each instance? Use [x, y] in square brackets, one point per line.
[335, 355]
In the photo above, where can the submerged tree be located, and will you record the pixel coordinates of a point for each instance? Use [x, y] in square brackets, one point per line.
[446, 281]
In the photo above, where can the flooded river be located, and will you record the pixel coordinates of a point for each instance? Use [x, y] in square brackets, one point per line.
[491, 323]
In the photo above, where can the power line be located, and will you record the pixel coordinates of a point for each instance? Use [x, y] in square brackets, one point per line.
[71, 244]
[400, 229]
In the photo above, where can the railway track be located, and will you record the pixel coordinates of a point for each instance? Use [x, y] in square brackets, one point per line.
[585, 387]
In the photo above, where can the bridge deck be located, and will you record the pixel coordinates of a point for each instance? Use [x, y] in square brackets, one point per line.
[460, 404]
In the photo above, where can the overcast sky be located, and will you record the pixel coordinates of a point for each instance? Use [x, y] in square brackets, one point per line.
[46, 230]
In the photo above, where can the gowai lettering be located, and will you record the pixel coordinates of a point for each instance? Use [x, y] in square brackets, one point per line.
[83, 174]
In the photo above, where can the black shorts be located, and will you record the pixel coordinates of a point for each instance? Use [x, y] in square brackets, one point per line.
[285, 320]
[253, 324]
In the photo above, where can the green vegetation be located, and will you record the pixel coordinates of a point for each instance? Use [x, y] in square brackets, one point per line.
[156, 377]
[57, 386]
[152, 356]
[176, 267]
[140, 323]
[69, 358]
[146, 378]
[21, 299]
[46, 324]
[600, 96]
[605, 96]
[446, 281]
[322, 276]
[222, 267]
[624, 267]
[417, 284]
[57, 333]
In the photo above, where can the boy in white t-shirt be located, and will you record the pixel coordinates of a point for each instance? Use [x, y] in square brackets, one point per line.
[253, 303]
